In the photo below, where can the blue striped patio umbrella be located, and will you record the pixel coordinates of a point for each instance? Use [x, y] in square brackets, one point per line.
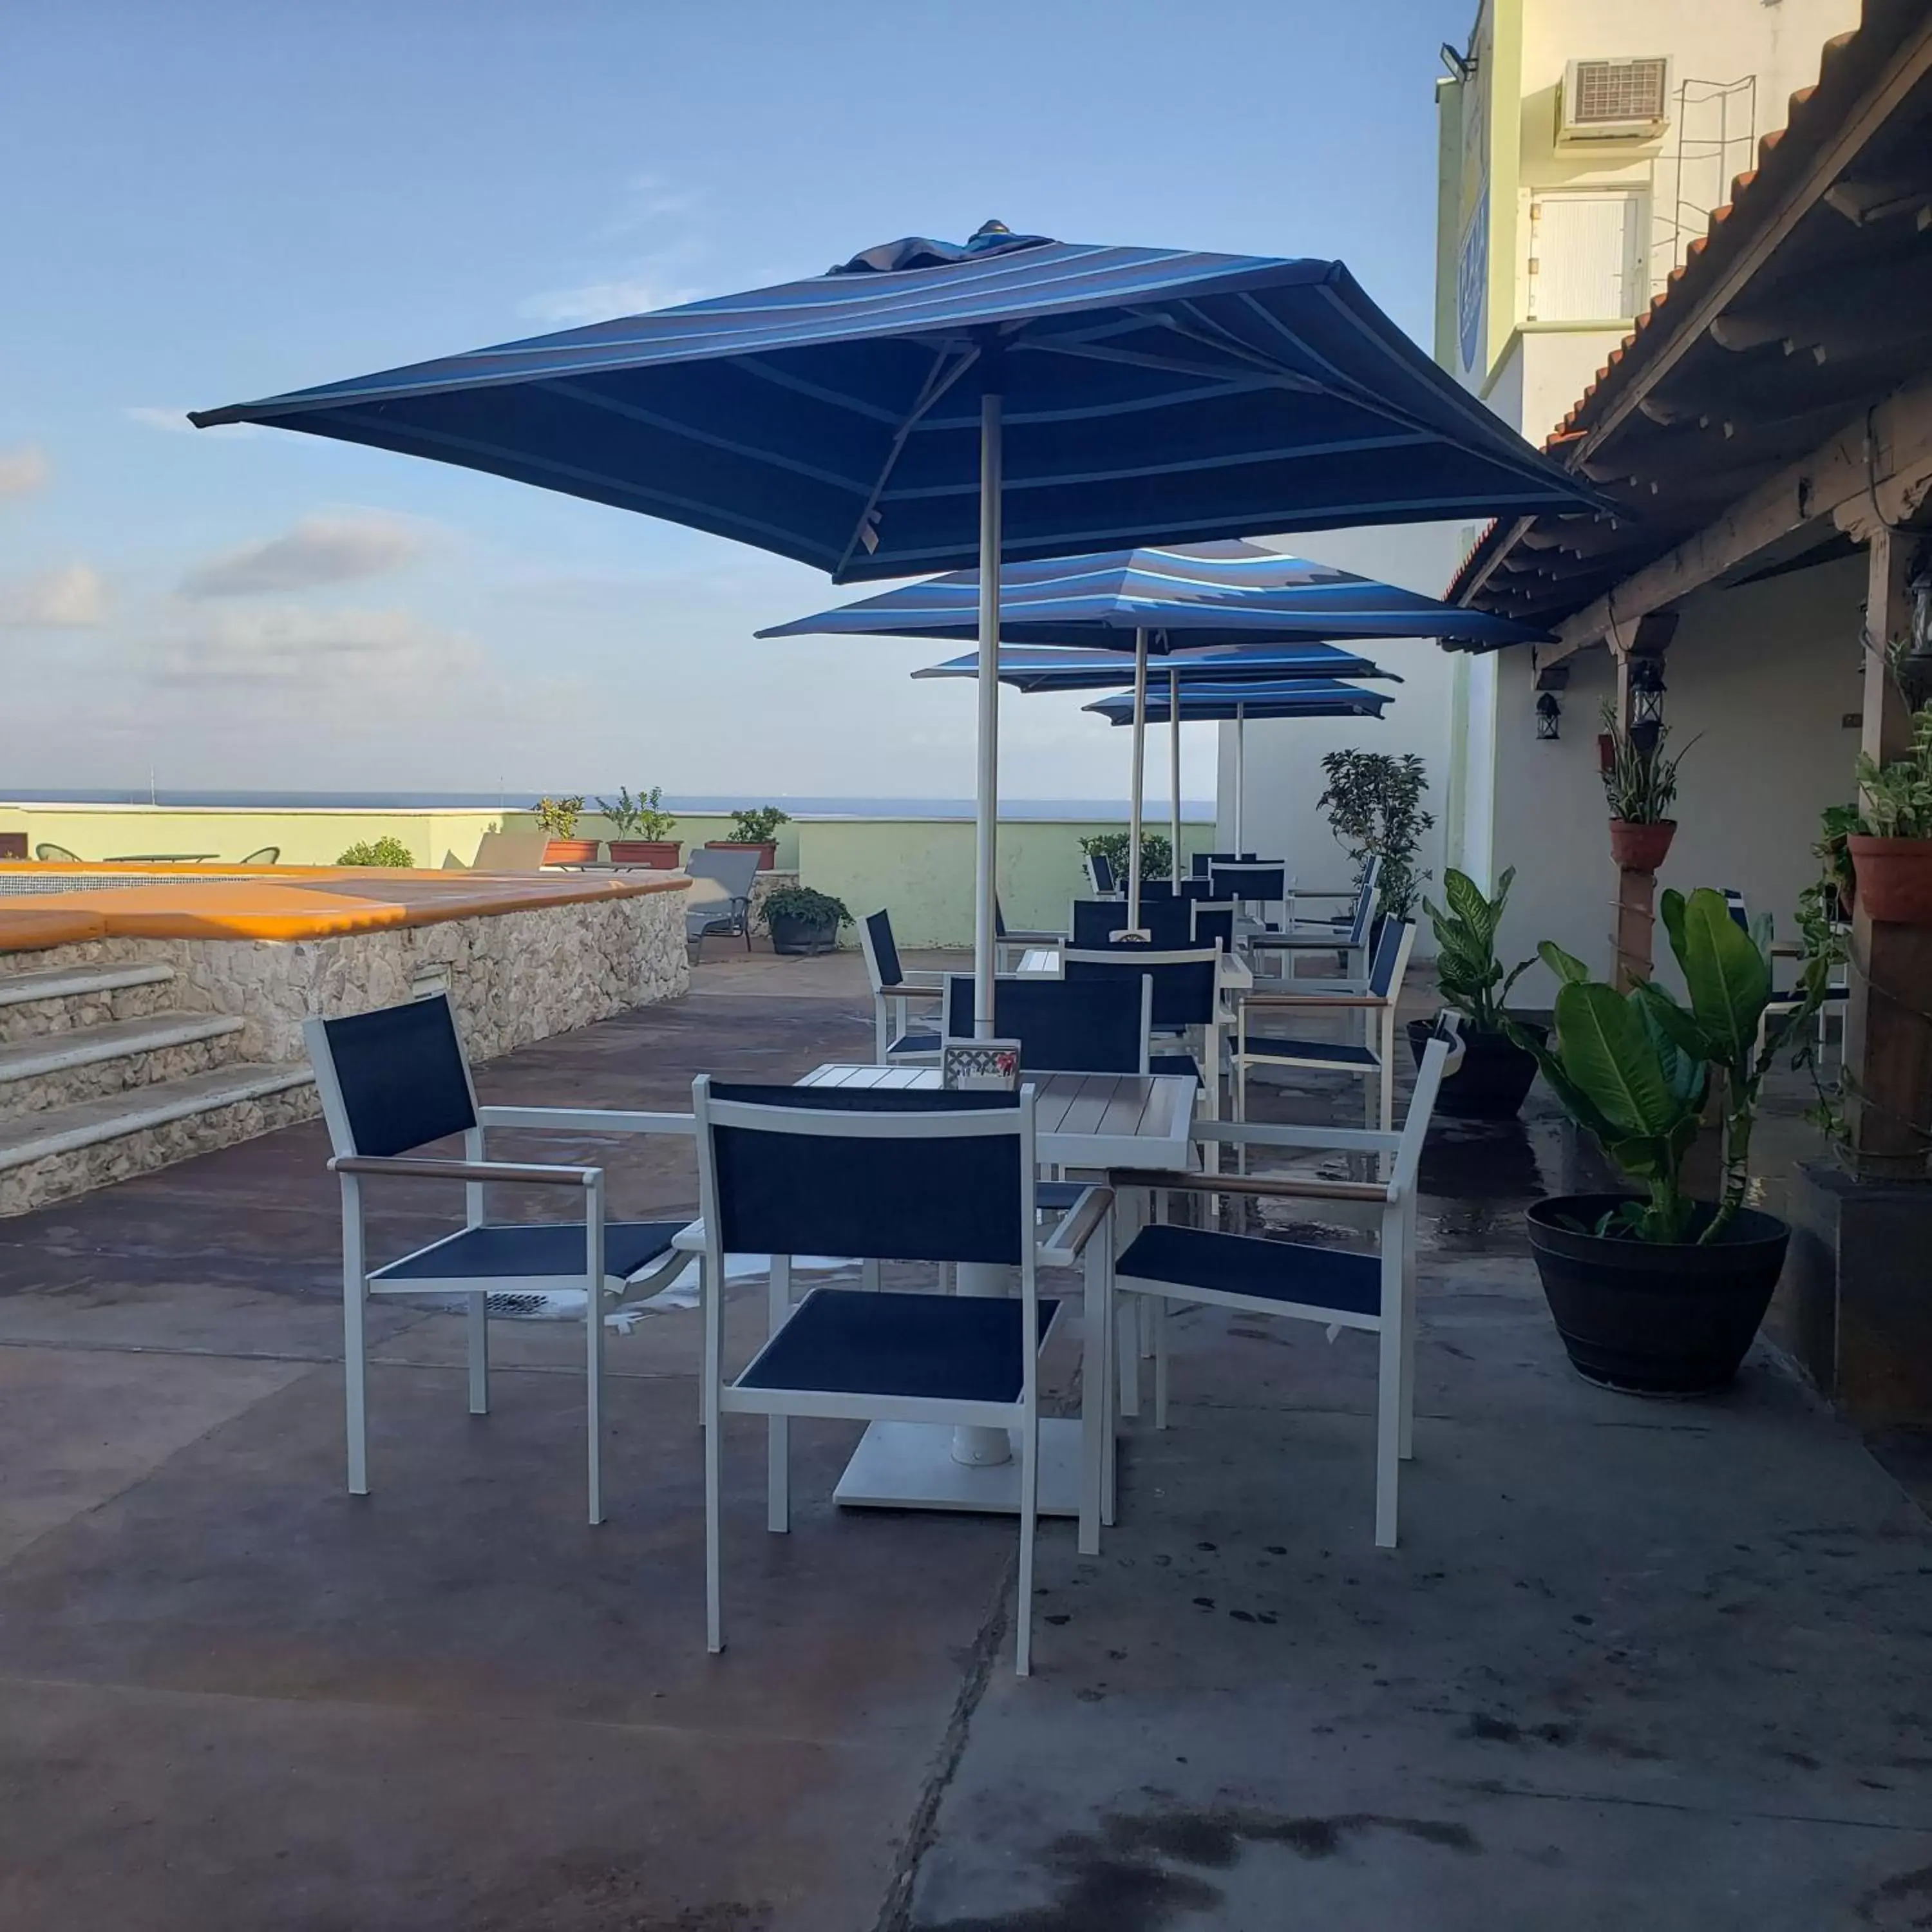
[1236, 703]
[927, 406]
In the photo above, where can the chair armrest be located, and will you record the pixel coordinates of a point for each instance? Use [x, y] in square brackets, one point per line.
[586, 1120]
[406, 1167]
[1076, 1228]
[1016, 936]
[1266, 1134]
[1285, 1187]
[1324, 1000]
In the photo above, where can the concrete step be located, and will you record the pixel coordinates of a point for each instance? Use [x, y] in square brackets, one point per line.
[57, 999]
[53, 1069]
[59, 1151]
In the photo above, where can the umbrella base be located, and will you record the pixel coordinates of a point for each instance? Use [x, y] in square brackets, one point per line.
[909, 1465]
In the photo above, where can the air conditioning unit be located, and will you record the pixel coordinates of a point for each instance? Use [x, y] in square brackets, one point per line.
[1614, 100]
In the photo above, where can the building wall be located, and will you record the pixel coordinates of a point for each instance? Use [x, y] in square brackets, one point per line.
[1762, 676]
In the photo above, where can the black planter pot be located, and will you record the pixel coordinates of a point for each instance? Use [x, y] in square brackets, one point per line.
[1650, 1319]
[1493, 1078]
[800, 935]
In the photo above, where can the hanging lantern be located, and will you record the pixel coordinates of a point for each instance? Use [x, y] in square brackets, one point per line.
[1548, 717]
[1647, 689]
[1915, 667]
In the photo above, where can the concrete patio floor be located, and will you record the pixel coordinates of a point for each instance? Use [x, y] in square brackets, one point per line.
[1666, 1666]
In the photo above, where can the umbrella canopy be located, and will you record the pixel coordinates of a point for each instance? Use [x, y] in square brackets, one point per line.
[1148, 395]
[1027, 670]
[1216, 593]
[926, 406]
[1205, 703]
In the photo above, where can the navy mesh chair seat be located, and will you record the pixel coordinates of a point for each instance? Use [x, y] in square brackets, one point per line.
[1247, 1274]
[902, 1174]
[1309, 1052]
[1181, 1066]
[392, 1082]
[1063, 1026]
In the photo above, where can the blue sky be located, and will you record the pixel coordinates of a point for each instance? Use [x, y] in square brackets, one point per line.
[210, 201]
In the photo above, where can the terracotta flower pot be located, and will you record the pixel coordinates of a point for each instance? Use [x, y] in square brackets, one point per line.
[1641, 848]
[571, 852]
[767, 849]
[1894, 878]
[660, 854]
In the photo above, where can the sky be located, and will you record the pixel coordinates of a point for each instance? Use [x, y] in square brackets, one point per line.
[209, 202]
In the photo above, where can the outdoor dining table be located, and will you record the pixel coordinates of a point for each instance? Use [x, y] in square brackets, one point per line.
[1043, 962]
[157, 858]
[1083, 1121]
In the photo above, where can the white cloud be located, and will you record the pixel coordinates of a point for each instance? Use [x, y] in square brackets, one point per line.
[657, 276]
[319, 551]
[175, 422]
[359, 659]
[69, 599]
[598, 301]
[22, 471]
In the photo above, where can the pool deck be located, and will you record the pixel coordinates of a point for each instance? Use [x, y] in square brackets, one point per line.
[1635, 1664]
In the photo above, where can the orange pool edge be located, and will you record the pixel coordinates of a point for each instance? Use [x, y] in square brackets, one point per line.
[285, 903]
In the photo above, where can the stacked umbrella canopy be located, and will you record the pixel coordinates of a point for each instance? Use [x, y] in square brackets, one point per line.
[925, 406]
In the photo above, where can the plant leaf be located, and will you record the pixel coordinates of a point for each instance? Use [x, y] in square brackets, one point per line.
[1568, 968]
[1606, 1050]
[1729, 979]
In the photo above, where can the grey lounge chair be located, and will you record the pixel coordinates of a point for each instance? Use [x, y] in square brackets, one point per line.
[720, 897]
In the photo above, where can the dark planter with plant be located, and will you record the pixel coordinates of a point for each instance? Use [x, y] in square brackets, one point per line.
[1495, 1073]
[753, 828]
[1374, 804]
[1890, 844]
[1661, 1293]
[1157, 853]
[1639, 787]
[558, 817]
[803, 920]
[640, 824]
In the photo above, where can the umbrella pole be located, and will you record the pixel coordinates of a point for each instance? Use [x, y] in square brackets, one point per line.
[1134, 792]
[1173, 773]
[987, 793]
[1241, 776]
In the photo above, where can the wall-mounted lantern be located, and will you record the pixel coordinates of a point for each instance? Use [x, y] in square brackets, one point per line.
[1549, 681]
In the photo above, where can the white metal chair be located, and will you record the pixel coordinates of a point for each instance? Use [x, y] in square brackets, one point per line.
[1101, 876]
[1348, 936]
[1009, 941]
[894, 1174]
[896, 992]
[1183, 996]
[394, 1080]
[1295, 1280]
[1371, 1059]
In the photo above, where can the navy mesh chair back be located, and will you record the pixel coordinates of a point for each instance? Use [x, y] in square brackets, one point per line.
[912, 1197]
[399, 1078]
[1062, 1027]
[1156, 889]
[1184, 983]
[1197, 888]
[885, 949]
[1100, 869]
[1170, 921]
[1214, 924]
[1247, 882]
[1365, 911]
[1387, 956]
[1202, 863]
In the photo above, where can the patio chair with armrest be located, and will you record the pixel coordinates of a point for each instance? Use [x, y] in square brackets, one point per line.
[1202, 863]
[1784, 1002]
[898, 1033]
[1008, 940]
[49, 853]
[263, 855]
[1260, 883]
[393, 1080]
[1062, 1027]
[1348, 942]
[1338, 1288]
[719, 899]
[1100, 874]
[1371, 1059]
[891, 1175]
[1168, 923]
[1182, 997]
[1316, 924]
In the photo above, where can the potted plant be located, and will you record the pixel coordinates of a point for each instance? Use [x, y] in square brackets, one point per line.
[1496, 1071]
[1640, 787]
[1890, 845]
[1374, 803]
[802, 920]
[1660, 1293]
[387, 850]
[754, 829]
[558, 817]
[641, 824]
[1157, 853]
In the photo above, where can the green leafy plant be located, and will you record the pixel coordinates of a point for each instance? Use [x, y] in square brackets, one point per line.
[1638, 1070]
[1374, 802]
[1640, 782]
[757, 824]
[807, 905]
[559, 816]
[642, 816]
[1470, 976]
[1157, 853]
[387, 850]
[1897, 795]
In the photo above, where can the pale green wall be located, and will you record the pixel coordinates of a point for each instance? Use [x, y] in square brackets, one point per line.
[919, 869]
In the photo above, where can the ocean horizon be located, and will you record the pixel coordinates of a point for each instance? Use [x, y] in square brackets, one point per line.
[1194, 811]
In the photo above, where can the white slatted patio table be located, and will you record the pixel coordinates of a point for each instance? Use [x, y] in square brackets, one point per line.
[1082, 1120]
[1043, 962]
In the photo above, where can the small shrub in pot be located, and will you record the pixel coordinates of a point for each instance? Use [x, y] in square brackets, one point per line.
[641, 824]
[1495, 1072]
[801, 919]
[755, 828]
